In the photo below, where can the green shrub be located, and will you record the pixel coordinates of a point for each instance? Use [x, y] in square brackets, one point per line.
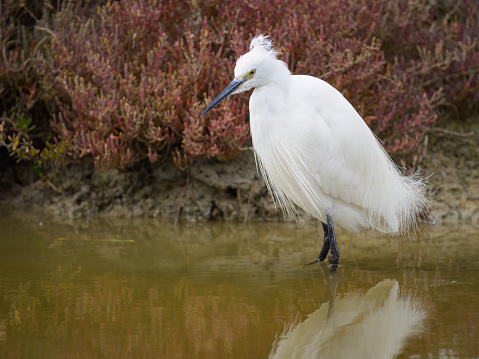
[27, 97]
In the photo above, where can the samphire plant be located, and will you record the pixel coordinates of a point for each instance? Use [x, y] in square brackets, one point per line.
[129, 79]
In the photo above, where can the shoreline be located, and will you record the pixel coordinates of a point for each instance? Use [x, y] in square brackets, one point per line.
[230, 191]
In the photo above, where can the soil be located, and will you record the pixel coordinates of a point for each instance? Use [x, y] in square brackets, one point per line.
[230, 190]
[452, 161]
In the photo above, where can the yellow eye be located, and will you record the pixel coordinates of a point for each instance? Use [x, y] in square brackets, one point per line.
[252, 72]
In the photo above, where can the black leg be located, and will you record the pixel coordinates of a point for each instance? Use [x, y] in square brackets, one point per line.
[334, 280]
[330, 287]
[325, 249]
[334, 256]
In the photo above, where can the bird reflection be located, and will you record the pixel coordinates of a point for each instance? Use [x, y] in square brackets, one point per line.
[373, 325]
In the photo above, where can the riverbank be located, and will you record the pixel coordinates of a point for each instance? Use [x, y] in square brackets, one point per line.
[212, 190]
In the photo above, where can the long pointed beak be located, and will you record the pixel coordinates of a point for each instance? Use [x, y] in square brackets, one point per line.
[224, 94]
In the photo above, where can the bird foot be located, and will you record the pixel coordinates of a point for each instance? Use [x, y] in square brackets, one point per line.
[333, 267]
[333, 262]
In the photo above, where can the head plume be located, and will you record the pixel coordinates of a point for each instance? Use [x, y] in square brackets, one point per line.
[263, 43]
[262, 61]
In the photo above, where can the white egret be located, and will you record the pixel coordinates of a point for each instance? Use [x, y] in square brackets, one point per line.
[374, 325]
[314, 150]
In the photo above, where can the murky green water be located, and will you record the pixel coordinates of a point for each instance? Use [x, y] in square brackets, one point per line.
[148, 289]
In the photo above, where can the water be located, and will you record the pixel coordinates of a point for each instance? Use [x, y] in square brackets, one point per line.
[148, 289]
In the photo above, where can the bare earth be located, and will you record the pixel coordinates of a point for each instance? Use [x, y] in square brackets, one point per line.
[231, 190]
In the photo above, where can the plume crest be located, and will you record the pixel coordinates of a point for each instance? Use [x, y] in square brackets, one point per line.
[262, 42]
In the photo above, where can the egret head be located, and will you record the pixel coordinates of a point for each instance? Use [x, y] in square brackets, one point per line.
[253, 69]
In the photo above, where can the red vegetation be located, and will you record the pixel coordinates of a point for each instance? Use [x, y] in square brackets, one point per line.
[131, 80]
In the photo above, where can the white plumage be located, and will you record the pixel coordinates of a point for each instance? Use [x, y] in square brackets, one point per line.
[374, 325]
[314, 150]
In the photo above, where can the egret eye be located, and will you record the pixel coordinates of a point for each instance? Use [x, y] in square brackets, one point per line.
[252, 72]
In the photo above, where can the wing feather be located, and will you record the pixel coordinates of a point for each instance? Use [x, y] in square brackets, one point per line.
[350, 165]
[317, 152]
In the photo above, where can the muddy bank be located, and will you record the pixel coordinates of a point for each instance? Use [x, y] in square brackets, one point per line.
[228, 191]
[453, 161]
[209, 190]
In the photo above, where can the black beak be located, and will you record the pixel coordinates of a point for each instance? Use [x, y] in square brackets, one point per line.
[224, 94]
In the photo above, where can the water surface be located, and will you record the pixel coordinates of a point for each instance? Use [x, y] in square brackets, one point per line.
[149, 289]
